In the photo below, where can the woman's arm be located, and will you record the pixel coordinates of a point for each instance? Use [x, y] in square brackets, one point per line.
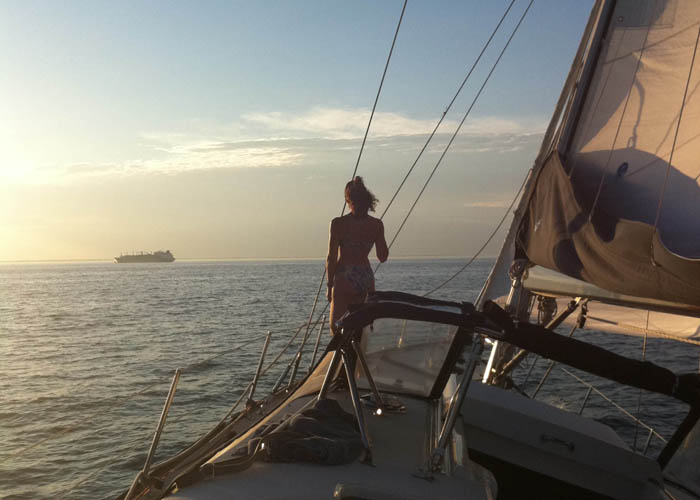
[332, 258]
[382, 249]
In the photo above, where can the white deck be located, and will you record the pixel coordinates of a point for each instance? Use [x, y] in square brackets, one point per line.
[498, 423]
[399, 449]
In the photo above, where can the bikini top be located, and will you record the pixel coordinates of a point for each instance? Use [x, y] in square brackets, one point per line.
[356, 245]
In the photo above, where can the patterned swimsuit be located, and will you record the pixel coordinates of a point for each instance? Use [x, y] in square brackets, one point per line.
[359, 276]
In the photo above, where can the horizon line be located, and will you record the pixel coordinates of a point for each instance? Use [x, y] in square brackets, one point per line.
[235, 259]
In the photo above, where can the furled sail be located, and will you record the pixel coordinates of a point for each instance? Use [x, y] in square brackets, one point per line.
[617, 204]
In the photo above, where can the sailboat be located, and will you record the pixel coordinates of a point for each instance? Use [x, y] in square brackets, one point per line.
[606, 236]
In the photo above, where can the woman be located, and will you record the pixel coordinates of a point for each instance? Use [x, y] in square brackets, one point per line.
[352, 236]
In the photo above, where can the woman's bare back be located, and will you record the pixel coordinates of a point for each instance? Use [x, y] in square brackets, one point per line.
[356, 236]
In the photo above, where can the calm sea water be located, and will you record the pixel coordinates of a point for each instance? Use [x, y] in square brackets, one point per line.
[88, 350]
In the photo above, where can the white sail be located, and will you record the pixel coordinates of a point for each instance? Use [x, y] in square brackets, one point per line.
[631, 116]
[616, 203]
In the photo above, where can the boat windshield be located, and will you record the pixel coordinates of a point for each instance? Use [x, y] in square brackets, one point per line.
[406, 356]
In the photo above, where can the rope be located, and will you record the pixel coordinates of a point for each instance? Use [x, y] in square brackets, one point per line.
[362, 147]
[449, 106]
[476, 255]
[675, 137]
[454, 135]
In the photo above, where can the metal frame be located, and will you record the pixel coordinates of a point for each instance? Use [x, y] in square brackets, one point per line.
[381, 409]
[357, 405]
[142, 477]
[251, 401]
[456, 402]
[554, 323]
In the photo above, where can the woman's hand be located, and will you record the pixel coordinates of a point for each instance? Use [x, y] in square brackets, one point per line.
[329, 293]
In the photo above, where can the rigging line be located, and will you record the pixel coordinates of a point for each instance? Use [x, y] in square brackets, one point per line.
[454, 135]
[675, 138]
[619, 126]
[447, 109]
[474, 257]
[362, 147]
[379, 91]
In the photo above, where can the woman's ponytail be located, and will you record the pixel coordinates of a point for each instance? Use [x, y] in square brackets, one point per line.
[361, 197]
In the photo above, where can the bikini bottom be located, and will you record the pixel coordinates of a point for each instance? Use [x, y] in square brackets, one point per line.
[357, 279]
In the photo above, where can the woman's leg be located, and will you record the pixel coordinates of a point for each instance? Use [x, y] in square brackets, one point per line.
[338, 307]
[343, 296]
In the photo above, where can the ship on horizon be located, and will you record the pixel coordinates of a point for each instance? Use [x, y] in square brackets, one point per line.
[157, 256]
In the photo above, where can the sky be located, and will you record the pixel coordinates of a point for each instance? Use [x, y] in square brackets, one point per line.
[228, 129]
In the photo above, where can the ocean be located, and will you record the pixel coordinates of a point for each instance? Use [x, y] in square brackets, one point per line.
[88, 351]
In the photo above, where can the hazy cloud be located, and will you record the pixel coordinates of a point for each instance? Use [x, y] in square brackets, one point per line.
[351, 124]
[276, 139]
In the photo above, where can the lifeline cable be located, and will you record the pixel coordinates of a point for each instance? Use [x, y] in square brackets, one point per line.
[454, 135]
[121, 401]
[616, 405]
[172, 421]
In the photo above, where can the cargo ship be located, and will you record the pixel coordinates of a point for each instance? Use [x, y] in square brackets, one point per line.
[158, 256]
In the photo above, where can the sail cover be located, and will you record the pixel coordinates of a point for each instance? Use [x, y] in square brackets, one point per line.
[618, 204]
